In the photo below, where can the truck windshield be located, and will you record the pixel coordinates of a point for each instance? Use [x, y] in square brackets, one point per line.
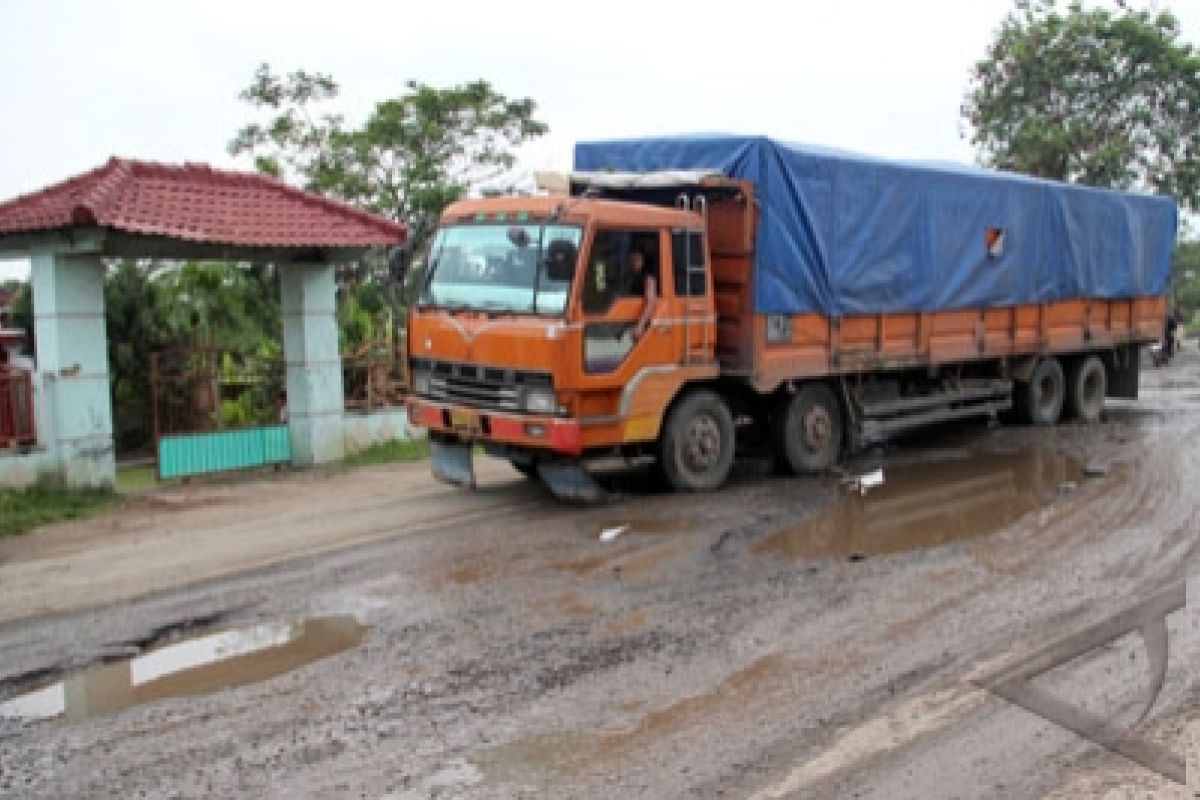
[497, 267]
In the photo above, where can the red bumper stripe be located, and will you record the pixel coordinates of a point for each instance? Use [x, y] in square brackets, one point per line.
[561, 435]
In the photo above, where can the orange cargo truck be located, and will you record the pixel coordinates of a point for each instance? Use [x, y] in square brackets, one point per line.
[802, 299]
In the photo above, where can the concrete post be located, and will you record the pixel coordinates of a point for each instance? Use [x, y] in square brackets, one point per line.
[72, 360]
[314, 367]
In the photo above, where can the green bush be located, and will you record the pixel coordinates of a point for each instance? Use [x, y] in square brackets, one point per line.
[24, 509]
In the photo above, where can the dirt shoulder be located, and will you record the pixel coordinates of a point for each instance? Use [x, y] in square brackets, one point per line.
[172, 537]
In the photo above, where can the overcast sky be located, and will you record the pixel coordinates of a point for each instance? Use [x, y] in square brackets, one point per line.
[81, 80]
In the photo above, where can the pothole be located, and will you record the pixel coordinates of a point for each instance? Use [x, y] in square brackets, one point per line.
[930, 503]
[195, 665]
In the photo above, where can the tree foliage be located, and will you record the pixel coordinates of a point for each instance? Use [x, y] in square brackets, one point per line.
[22, 313]
[154, 307]
[221, 304]
[412, 156]
[1094, 96]
[1186, 276]
[136, 322]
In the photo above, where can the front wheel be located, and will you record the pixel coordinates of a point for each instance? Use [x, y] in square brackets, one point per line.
[696, 449]
[808, 430]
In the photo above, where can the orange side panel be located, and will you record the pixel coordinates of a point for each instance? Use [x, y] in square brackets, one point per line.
[728, 231]
[898, 336]
[731, 227]
[953, 336]
[1065, 325]
[821, 346]
[998, 326]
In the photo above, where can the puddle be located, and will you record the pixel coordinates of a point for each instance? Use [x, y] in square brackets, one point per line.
[192, 666]
[926, 504]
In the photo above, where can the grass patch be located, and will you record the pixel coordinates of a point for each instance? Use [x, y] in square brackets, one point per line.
[131, 480]
[393, 452]
[24, 509]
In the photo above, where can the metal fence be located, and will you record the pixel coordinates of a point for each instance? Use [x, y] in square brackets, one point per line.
[208, 389]
[374, 380]
[17, 425]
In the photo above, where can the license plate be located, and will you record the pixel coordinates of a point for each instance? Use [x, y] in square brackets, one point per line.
[464, 419]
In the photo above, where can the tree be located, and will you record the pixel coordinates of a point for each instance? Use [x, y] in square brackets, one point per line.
[1185, 274]
[220, 304]
[22, 313]
[137, 325]
[414, 155]
[1092, 96]
[154, 307]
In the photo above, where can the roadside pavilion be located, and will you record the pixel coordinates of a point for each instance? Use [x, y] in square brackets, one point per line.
[138, 209]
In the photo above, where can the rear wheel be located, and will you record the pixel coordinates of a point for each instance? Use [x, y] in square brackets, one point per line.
[808, 430]
[1041, 399]
[696, 449]
[1087, 385]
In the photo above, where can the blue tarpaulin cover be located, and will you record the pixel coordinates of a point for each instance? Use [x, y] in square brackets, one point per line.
[846, 234]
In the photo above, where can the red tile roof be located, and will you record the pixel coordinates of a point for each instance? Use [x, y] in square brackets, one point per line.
[197, 203]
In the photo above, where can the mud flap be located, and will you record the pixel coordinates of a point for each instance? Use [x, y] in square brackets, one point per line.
[452, 462]
[571, 482]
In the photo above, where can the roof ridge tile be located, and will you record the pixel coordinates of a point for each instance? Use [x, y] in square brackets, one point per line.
[91, 209]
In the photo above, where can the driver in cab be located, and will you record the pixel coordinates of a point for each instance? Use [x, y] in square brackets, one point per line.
[638, 281]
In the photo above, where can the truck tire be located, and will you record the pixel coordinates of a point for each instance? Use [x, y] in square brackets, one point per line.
[526, 468]
[808, 430]
[697, 444]
[1087, 384]
[1041, 400]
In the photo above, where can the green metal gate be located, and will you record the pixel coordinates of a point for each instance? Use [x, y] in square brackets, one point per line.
[217, 410]
[200, 453]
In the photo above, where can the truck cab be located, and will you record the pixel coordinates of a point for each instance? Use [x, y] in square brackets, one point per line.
[523, 338]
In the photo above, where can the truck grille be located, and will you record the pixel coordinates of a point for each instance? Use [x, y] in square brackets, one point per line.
[477, 385]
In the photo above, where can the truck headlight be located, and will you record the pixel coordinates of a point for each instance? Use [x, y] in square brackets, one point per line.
[420, 383]
[541, 401]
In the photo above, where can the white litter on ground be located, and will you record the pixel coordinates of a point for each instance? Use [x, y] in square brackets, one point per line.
[608, 534]
[868, 480]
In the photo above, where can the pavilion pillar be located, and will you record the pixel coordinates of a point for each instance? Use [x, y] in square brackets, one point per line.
[72, 362]
[315, 401]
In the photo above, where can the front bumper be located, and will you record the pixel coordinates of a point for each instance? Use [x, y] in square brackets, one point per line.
[531, 431]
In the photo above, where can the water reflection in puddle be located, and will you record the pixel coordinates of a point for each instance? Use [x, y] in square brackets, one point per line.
[927, 504]
[197, 665]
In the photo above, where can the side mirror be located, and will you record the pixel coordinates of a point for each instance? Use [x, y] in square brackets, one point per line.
[560, 260]
[399, 259]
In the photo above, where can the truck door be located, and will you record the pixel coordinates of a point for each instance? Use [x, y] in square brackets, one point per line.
[613, 297]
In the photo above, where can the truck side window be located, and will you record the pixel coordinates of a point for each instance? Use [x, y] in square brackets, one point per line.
[607, 275]
[688, 247]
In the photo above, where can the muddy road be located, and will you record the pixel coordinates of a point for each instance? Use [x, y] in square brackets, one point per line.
[374, 634]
